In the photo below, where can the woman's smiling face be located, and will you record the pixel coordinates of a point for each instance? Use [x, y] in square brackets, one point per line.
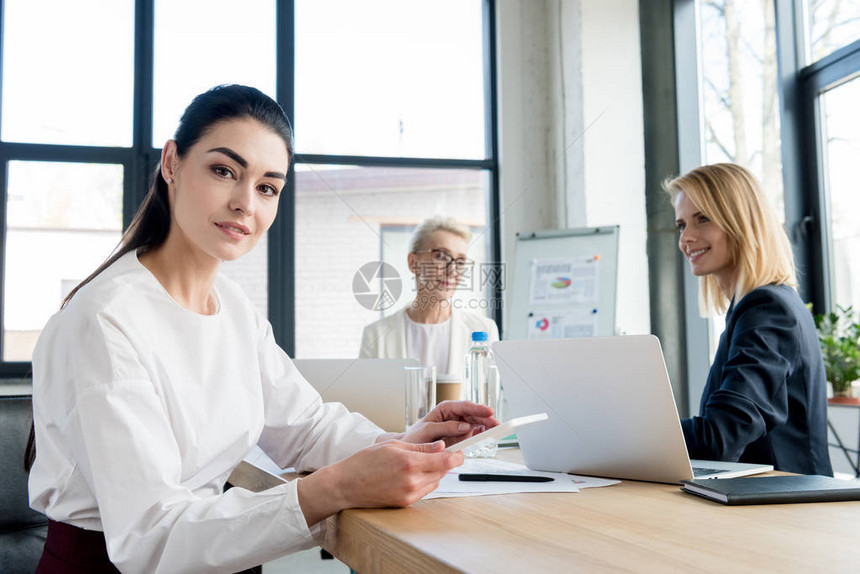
[704, 244]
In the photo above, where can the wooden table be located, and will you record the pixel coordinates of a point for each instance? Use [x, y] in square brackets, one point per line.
[632, 526]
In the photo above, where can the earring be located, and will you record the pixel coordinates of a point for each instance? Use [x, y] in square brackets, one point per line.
[169, 180]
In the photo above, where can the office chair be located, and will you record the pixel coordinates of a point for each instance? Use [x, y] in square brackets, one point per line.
[22, 530]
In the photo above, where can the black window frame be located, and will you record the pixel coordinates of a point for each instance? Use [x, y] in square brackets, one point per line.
[835, 69]
[140, 159]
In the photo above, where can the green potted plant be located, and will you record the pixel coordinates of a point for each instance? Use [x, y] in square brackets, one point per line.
[839, 336]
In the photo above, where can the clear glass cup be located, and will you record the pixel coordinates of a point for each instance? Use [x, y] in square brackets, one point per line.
[420, 393]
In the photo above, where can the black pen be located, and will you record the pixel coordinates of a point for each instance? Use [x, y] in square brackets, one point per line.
[469, 477]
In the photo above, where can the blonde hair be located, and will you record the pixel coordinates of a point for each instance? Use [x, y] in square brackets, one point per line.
[732, 198]
[437, 223]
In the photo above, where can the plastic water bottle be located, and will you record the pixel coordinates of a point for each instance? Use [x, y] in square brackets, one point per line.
[479, 387]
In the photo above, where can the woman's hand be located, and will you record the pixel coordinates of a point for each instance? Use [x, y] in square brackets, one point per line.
[451, 421]
[392, 473]
[395, 472]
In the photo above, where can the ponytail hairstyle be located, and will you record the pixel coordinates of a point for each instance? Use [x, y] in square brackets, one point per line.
[151, 223]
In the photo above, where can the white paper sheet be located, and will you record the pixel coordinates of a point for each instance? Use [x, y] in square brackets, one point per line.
[451, 486]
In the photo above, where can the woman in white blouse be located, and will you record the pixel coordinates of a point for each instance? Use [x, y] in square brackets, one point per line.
[158, 376]
[430, 329]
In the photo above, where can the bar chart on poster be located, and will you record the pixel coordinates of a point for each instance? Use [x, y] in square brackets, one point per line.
[563, 284]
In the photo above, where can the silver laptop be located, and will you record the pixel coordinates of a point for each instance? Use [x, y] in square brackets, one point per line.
[610, 405]
[372, 387]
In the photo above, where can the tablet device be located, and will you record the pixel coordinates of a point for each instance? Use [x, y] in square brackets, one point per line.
[498, 432]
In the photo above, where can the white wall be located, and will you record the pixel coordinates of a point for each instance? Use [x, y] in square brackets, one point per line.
[527, 175]
[571, 141]
[614, 146]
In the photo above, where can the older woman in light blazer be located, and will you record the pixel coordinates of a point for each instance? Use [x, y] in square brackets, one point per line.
[430, 329]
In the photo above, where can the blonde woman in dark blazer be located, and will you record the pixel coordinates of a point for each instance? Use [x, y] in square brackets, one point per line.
[765, 398]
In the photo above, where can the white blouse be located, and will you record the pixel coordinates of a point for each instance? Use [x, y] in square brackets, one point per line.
[142, 409]
[430, 343]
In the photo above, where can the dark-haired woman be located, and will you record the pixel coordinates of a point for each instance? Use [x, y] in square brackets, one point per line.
[158, 376]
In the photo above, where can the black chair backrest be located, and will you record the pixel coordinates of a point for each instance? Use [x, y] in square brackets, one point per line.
[16, 416]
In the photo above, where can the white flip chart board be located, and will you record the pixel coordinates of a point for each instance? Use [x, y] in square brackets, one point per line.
[563, 284]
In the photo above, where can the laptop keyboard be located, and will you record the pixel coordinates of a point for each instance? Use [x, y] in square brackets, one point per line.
[699, 471]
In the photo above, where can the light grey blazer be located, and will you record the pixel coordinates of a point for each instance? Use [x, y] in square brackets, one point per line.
[386, 338]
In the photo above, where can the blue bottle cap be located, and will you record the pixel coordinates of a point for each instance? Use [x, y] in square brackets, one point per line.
[479, 336]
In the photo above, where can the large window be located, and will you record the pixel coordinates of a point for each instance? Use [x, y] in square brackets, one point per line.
[66, 132]
[830, 25]
[68, 77]
[392, 104]
[62, 220]
[392, 127]
[198, 44]
[390, 78]
[748, 74]
[347, 217]
[739, 110]
[830, 88]
[840, 137]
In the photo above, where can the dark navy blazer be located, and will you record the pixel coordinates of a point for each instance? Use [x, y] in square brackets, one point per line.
[766, 396]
